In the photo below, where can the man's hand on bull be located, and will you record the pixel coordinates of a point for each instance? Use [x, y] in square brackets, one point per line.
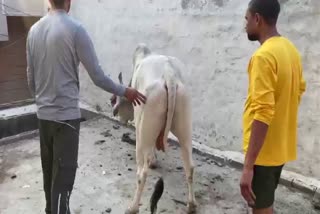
[135, 96]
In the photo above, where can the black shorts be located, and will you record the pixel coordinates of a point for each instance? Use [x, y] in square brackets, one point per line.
[264, 184]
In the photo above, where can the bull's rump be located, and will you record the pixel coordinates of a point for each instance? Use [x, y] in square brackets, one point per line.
[155, 113]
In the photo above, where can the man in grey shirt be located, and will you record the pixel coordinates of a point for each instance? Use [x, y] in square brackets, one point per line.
[55, 46]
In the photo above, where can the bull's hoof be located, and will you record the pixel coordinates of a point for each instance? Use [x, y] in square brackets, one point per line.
[153, 164]
[192, 207]
[132, 211]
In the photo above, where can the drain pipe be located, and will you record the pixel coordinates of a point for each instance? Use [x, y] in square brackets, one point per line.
[2, 5]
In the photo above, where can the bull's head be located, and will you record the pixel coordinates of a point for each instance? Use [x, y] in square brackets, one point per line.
[121, 106]
[141, 52]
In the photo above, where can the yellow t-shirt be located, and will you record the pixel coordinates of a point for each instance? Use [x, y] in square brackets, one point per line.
[276, 84]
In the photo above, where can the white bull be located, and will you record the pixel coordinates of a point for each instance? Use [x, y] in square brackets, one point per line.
[167, 109]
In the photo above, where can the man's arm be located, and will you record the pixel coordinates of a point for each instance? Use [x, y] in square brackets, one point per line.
[30, 69]
[264, 80]
[263, 86]
[87, 55]
[258, 134]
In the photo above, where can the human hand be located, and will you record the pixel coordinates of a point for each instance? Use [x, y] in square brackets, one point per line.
[246, 186]
[135, 96]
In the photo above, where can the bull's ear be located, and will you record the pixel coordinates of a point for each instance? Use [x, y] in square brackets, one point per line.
[113, 100]
[130, 83]
[120, 78]
[115, 111]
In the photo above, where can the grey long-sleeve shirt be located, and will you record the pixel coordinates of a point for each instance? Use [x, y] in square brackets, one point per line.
[56, 45]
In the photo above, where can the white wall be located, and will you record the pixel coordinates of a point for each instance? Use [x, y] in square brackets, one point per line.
[3, 28]
[209, 37]
[23, 7]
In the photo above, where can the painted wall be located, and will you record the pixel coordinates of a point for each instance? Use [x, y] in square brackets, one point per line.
[3, 28]
[209, 36]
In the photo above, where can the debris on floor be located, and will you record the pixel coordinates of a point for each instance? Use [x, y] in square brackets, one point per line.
[106, 133]
[126, 137]
[99, 142]
[116, 127]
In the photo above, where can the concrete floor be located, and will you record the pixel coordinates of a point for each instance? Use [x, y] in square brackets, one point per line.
[106, 179]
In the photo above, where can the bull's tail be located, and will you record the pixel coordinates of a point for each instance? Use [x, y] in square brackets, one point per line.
[156, 195]
[171, 85]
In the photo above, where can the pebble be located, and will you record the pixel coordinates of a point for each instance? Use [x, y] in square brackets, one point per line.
[164, 210]
[218, 164]
[106, 133]
[99, 142]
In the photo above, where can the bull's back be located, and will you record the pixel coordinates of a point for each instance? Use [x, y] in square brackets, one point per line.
[154, 68]
[150, 79]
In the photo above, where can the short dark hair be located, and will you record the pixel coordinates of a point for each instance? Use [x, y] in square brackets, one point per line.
[268, 9]
[58, 3]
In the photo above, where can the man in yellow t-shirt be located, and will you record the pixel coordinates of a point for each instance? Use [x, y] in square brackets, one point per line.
[276, 84]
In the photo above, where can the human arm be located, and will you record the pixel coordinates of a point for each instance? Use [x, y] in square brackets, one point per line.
[263, 83]
[87, 55]
[30, 69]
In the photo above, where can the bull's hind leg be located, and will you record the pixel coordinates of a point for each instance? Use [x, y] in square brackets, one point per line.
[142, 172]
[147, 130]
[152, 160]
[182, 128]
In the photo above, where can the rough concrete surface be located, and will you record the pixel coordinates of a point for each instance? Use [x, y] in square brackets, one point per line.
[106, 179]
[209, 36]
